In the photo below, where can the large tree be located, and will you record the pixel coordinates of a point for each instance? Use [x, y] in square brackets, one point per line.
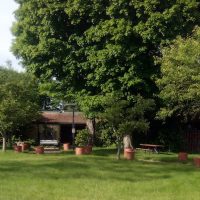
[19, 101]
[93, 47]
[180, 80]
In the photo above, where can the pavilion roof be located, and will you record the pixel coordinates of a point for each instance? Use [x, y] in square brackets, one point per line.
[62, 118]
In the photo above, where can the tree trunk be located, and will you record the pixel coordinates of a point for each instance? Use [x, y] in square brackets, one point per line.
[91, 126]
[118, 149]
[4, 143]
[10, 140]
[127, 141]
[94, 130]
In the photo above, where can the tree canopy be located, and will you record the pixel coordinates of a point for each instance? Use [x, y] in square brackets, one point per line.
[19, 101]
[180, 80]
[93, 47]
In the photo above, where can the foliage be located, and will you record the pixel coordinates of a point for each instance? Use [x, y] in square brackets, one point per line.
[123, 118]
[180, 80]
[82, 138]
[91, 105]
[104, 135]
[18, 100]
[93, 47]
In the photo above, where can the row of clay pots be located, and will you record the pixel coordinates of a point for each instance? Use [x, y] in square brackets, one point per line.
[22, 147]
[78, 150]
[183, 156]
[40, 149]
[129, 153]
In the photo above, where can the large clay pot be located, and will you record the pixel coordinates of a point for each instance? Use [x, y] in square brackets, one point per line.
[39, 150]
[66, 146]
[129, 153]
[182, 156]
[197, 162]
[17, 148]
[80, 150]
[88, 149]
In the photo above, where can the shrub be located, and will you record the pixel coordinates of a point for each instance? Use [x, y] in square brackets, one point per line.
[82, 137]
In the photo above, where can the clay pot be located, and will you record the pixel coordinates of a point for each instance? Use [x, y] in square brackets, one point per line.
[182, 156]
[197, 162]
[129, 154]
[88, 149]
[25, 146]
[14, 145]
[80, 150]
[66, 146]
[17, 148]
[39, 150]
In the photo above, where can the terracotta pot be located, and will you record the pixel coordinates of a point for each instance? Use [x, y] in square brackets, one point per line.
[182, 156]
[197, 162]
[39, 150]
[129, 153]
[25, 146]
[17, 148]
[80, 150]
[88, 149]
[14, 145]
[66, 146]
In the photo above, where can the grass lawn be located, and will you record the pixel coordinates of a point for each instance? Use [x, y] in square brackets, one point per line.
[96, 177]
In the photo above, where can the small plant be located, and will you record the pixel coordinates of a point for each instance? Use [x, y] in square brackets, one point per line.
[82, 138]
[15, 139]
[30, 141]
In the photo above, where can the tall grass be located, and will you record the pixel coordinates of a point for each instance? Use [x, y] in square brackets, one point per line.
[96, 177]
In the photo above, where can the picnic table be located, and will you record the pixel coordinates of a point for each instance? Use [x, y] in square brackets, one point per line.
[151, 147]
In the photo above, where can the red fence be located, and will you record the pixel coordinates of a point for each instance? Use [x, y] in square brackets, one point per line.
[192, 141]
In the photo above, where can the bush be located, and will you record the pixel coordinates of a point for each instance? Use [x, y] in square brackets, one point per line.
[82, 137]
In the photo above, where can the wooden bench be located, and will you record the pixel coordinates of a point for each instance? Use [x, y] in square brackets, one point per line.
[49, 142]
[50, 146]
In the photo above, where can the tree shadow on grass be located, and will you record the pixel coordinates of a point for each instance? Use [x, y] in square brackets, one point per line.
[104, 152]
[94, 167]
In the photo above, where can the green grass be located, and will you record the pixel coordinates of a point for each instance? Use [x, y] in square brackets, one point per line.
[97, 177]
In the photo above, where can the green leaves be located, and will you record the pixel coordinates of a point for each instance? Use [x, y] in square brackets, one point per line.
[180, 82]
[19, 103]
[99, 45]
[82, 138]
[125, 117]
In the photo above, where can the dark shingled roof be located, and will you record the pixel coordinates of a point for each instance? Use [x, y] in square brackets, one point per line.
[62, 118]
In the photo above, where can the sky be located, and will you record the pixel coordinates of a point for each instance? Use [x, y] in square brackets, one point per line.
[7, 7]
